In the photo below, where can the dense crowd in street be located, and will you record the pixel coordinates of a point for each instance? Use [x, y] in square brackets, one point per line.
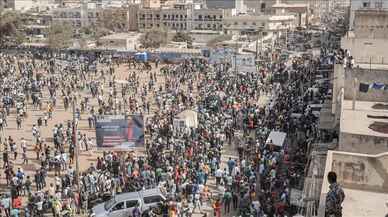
[179, 161]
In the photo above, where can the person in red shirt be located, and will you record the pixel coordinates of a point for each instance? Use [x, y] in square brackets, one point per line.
[217, 208]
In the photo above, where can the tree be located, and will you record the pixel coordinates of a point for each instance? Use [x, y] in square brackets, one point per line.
[114, 20]
[60, 35]
[154, 38]
[183, 37]
[10, 25]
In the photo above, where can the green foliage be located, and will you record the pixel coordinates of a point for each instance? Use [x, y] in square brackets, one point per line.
[182, 37]
[154, 38]
[60, 35]
[10, 25]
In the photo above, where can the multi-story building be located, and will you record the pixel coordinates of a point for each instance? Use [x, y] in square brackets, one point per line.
[365, 5]
[257, 23]
[118, 19]
[208, 19]
[359, 100]
[151, 3]
[73, 16]
[241, 24]
[181, 17]
[26, 5]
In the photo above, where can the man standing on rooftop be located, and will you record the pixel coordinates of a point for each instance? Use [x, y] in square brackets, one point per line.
[334, 197]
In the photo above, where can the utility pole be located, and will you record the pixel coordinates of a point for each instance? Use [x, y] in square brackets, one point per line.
[257, 42]
[76, 146]
[235, 59]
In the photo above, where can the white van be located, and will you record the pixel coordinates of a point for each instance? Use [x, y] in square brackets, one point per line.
[123, 204]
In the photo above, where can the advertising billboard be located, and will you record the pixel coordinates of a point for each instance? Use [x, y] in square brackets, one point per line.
[119, 131]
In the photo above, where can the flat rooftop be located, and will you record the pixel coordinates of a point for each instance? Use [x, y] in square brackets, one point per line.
[363, 179]
[372, 66]
[357, 122]
[123, 35]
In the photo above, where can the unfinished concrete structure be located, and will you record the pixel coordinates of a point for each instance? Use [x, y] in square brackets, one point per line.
[364, 179]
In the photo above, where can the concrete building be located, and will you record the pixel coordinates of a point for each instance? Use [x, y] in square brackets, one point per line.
[171, 18]
[26, 5]
[243, 24]
[364, 181]
[352, 106]
[262, 23]
[357, 133]
[119, 41]
[298, 9]
[263, 7]
[361, 159]
[223, 4]
[371, 23]
[208, 19]
[356, 5]
[181, 17]
[151, 4]
[73, 16]
[132, 17]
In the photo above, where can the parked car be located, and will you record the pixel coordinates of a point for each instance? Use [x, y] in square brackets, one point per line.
[123, 204]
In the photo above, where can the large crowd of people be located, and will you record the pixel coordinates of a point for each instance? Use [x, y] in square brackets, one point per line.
[187, 163]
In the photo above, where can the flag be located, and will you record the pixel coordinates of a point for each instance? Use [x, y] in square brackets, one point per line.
[364, 87]
[378, 86]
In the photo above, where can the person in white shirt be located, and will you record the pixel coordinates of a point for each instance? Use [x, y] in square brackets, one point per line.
[219, 173]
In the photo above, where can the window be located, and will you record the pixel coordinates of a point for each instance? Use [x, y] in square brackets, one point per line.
[235, 23]
[262, 7]
[220, 16]
[118, 206]
[152, 199]
[131, 203]
[244, 23]
[366, 4]
[200, 17]
[254, 23]
[208, 26]
[379, 4]
[215, 17]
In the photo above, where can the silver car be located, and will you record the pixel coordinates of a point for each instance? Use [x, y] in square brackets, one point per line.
[123, 204]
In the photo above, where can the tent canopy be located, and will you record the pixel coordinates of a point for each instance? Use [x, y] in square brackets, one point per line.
[187, 117]
[277, 138]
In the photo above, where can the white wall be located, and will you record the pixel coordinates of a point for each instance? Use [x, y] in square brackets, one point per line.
[358, 4]
[365, 50]
[362, 144]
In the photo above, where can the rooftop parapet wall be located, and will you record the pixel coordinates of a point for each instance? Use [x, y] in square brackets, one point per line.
[368, 173]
